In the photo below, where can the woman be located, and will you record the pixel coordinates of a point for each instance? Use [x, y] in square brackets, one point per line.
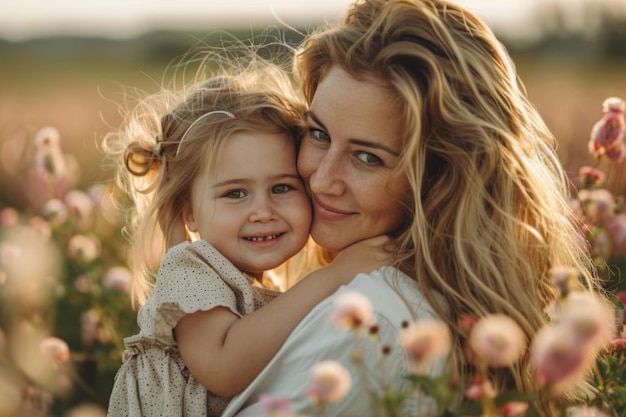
[419, 129]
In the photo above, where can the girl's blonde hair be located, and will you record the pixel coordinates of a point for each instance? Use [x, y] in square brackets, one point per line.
[156, 170]
[488, 216]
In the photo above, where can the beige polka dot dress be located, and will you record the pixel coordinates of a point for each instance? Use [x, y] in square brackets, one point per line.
[153, 380]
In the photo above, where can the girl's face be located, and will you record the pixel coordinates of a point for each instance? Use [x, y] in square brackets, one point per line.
[347, 157]
[252, 207]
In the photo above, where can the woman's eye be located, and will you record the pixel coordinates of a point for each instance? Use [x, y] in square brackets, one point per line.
[281, 188]
[235, 194]
[369, 159]
[318, 134]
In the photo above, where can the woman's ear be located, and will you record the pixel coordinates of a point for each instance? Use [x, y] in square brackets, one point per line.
[189, 218]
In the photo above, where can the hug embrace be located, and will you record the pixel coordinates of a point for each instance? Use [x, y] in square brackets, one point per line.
[407, 164]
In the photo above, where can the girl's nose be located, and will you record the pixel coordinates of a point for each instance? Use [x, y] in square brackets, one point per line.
[262, 210]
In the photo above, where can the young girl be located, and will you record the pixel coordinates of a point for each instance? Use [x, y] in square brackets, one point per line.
[223, 162]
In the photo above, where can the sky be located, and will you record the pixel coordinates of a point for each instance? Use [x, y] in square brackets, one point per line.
[23, 19]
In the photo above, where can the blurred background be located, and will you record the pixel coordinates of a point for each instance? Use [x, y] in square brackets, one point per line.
[66, 63]
[65, 67]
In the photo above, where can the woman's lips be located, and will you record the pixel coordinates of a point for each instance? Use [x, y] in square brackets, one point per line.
[328, 212]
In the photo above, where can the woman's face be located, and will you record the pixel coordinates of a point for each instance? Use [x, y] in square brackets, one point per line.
[347, 158]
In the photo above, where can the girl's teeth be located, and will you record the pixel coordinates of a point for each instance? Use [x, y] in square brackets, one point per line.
[261, 239]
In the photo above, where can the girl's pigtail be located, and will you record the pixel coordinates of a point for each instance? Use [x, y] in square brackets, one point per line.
[140, 160]
[145, 162]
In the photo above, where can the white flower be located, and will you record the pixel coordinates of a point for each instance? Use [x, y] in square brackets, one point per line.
[55, 211]
[352, 310]
[425, 341]
[329, 383]
[49, 159]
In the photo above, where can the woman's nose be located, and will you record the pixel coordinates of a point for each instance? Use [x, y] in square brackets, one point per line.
[328, 177]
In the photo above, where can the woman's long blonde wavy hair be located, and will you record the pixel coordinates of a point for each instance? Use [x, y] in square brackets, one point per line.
[156, 173]
[488, 216]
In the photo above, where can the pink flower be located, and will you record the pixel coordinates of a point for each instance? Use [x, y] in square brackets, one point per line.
[352, 310]
[425, 341]
[621, 295]
[618, 347]
[275, 406]
[83, 249]
[466, 322]
[55, 349]
[481, 388]
[80, 206]
[591, 319]
[590, 177]
[559, 361]
[117, 278]
[9, 217]
[329, 383]
[497, 340]
[608, 133]
[514, 408]
[599, 204]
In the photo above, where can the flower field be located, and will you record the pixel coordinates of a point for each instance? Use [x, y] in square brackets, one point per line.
[64, 304]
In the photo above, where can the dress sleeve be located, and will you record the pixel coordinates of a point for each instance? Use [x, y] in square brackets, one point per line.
[196, 277]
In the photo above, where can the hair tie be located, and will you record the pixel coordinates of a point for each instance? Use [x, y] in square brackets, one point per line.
[205, 115]
[158, 150]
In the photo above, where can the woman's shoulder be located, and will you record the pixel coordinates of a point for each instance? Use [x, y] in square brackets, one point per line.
[391, 290]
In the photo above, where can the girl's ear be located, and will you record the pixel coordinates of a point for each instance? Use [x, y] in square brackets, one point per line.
[189, 218]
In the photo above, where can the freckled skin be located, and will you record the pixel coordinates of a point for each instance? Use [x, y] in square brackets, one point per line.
[346, 161]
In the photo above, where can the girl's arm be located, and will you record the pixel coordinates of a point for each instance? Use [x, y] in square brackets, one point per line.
[225, 353]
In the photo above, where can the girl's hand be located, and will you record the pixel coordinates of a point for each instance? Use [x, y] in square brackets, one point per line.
[364, 256]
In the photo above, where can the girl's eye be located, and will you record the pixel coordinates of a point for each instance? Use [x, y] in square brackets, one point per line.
[281, 188]
[235, 194]
[369, 159]
[318, 134]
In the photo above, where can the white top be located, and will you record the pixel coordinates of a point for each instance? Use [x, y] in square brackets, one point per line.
[395, 298]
